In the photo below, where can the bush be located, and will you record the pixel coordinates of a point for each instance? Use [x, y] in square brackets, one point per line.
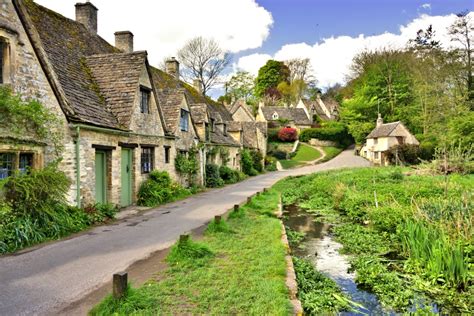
[273, 134]
[331, 131]
[247, 164]
[159, 189]
[280, 154]
[229, 175]
[270, 163]
[405, 153]
[213, 178]
[257, 159]
[288, 134]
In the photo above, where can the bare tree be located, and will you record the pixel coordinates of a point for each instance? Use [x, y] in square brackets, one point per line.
[203, 60]
[300, 69]
[462, 31]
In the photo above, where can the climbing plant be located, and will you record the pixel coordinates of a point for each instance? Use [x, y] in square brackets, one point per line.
[29, 117]
[187, 165]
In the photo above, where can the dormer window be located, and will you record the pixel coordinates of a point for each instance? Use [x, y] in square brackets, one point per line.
[144, 100]
[275, 116]
[225, 129]
[207, 130]
[184, 120]
[213, 125]
[3, 61]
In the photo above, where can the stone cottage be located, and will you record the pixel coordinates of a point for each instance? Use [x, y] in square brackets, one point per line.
[276, 116]
[241, 112]
[384, 137]
[319, 109]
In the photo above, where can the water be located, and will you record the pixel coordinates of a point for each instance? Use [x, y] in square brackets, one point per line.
[319, 248]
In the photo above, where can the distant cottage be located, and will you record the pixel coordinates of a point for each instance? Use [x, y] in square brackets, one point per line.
[384, 137]
[121, 117]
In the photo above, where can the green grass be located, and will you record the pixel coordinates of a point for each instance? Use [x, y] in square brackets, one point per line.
[409, 235]
[238, 268]
[304, 154]
[331, 152]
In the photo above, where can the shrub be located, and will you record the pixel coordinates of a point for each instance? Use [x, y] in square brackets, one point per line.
[270, 163]
[280, 154]
[257, 159]
[159, 189]
[213, 179]
[187, 165]
[247, 164]
[273, 134]
[229, 175]
[36, 192]
[288, 134]
[405, 153]
[331, 131]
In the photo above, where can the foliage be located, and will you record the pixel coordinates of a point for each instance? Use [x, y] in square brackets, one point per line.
[331, 152]
[318, 293]
[257, 160]
[247, 163]
[248, 265]
[240, 85]
[204, 60]
[187, 165]
[288, 134]
[188, 252]
[273, 134]
[270, 163]
[29, 117]
[229, 175]
[407, 154]
[453, 158]
[331, 131]
[269, 76]
[213, 178]
[218, 227]
[159, 189]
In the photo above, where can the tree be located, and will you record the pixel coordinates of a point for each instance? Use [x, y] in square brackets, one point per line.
[241, 85]
[293, 92]
[462, 31]
[269, 77]
[300, 69]
[204, 60]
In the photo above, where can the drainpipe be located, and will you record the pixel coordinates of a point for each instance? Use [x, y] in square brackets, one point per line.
[78, 166]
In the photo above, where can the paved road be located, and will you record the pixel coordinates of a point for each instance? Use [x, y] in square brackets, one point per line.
[49, 278]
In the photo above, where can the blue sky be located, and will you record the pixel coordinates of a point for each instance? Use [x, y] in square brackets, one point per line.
[328, 32]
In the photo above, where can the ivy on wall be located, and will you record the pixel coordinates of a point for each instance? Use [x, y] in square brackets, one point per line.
[29, 117]
[187, 165]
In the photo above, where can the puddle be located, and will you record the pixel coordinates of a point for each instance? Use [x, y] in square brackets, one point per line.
[319, 248]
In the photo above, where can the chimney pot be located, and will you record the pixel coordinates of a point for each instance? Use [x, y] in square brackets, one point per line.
[379, 120]
[86, 14]
[197, 85]
[172, 67]
[124, 41]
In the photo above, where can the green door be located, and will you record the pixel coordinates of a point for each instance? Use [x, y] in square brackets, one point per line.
[100, 177]
[126, 176]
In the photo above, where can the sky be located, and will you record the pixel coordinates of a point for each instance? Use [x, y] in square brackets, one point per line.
[329, 32]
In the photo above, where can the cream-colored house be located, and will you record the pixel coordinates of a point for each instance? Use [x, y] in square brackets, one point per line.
[384, 137]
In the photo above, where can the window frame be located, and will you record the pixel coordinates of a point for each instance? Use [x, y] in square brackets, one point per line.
[2, 61]
[167, 154]
[225, 129]
[207, 131]
[147, 158]
[184, 120]
[145, 106]
[376, 141]
[7, 167]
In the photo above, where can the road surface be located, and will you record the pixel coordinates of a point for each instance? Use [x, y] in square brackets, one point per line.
[48, 278]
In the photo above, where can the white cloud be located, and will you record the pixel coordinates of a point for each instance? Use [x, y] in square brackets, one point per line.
[426, 6]
[332, 57]
[162, 27]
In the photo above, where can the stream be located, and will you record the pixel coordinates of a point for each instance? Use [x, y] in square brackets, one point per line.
[319, 247]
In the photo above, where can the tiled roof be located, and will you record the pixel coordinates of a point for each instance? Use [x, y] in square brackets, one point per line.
[234, 126]
[298, 116]
[240, 104]
[383, 130]
[170, 101]
[218, 137]
[315, 106]
[118, 76]
[199, 113]
[64, 45]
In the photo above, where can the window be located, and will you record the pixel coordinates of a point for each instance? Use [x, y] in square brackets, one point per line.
[144, 100]
[376, 155]
[213, 125]
[376, 141]
[6, 164]
[275, 116]
[401, 140]
[26, 161]
[3, 60]
[184, 120]
[225, 129]
[147, 159]
[167, 154]
[207, 131]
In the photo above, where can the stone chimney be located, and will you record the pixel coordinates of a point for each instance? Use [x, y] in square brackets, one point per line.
[172, 67]
[124, 41]
[197, 85]
[379, 120]
[86, 14]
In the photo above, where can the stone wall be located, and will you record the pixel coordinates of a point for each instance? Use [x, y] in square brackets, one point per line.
[322, 143]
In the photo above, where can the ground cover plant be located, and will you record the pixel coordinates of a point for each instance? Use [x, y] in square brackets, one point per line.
[237, 268]
[409, 233]
[33, 209]
[304, 153]
[159, 189]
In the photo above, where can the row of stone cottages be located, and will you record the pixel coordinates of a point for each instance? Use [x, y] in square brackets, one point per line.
[120, 117]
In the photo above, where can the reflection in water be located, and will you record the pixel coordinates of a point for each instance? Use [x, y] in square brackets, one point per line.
[319, 248]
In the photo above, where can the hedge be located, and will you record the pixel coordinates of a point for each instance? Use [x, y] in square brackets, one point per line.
[330, 131]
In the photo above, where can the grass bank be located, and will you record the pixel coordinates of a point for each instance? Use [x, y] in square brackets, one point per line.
[410, 236]
[304, 154]
[237, 268]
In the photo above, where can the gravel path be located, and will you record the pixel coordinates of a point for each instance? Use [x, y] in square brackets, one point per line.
[46, 279]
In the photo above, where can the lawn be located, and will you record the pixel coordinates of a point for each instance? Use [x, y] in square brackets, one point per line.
[241, 271]
[304, 154]
[331, 152]
[409, 234]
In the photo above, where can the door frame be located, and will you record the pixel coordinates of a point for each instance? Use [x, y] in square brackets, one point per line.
[103, 175]
[126, 177]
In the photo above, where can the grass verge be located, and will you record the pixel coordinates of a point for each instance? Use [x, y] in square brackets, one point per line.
[331, 152]
[304, 154]
[237, 268]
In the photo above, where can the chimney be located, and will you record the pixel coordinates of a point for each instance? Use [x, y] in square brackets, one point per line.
[86, 14]
[172, 67]
[197, 85]
[379, 121]
[124, 41]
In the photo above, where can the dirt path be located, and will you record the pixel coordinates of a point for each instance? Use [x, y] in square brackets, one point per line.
[46, 279]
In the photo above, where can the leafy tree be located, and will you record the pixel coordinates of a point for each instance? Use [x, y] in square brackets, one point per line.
[269, 77]
[241, 85]
[204, 60]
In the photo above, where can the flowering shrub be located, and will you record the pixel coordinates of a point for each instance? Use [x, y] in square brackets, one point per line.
[288, 134]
